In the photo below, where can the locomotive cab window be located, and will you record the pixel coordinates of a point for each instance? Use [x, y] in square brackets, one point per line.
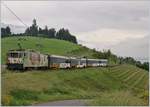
[15, 55]
[25, 54]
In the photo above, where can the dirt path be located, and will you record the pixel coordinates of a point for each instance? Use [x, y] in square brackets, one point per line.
[64, 103]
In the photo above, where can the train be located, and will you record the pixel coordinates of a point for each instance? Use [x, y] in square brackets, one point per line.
[31, 59]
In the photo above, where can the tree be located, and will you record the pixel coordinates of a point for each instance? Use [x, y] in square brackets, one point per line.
[28, 31]
[109, 53]
[45, 31]
[32, 30]
[8, 30]
[40, 30]
[64, 34]
[130, 60]
[51, 33]
[5, 31]
[146, 66]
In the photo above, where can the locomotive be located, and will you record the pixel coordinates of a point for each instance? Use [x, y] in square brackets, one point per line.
[30, 59]
[24, 59]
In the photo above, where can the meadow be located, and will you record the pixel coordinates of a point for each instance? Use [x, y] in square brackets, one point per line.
[119, 85]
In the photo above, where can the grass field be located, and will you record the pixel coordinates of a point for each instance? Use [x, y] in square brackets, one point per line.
[120, 85]
[44, 45]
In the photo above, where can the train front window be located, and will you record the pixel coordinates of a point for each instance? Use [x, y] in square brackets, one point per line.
[15, 55]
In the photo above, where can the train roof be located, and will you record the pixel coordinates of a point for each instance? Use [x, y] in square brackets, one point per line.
[83, 58]
[31, 50]
[17, 50]
[58, 56]
[94, 59]
[77, 58]
[103, 59]
[73, 58]
[24, 50]
[98, 59]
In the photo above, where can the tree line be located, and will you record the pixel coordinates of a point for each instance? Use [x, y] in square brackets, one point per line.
[34, 30]
[112, 58]
[5, 31]
[132, 61]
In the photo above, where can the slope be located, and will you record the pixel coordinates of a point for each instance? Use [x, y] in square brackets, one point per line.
[44, 45]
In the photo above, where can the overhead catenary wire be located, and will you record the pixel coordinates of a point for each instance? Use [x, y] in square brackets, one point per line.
[19, 44]
[15, 15]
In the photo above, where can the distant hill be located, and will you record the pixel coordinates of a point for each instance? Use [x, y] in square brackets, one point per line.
[44, 45]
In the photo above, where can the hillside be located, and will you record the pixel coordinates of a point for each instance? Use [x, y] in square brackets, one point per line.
[44, 45]
[120, 85]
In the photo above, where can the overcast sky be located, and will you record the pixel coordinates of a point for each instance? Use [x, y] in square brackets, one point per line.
[120, 26]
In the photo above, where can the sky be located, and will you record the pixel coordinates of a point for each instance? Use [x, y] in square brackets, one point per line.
[122, 26]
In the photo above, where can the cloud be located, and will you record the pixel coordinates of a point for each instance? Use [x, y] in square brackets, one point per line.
[135, 47]
[107, 37]
[14, 28]
[81, 16]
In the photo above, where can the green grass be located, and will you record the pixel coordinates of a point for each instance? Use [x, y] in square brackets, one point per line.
[44, 45]
[82, 52]
[117, 98]
[133, 77]
[101, 86]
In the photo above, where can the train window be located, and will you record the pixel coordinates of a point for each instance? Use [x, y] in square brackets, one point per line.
[19, 55]
[14, 55]
[67, 61]
[25, 54]
[44, 58]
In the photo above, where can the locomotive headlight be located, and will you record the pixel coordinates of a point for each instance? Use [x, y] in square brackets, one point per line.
[20, 60]
[8, 61]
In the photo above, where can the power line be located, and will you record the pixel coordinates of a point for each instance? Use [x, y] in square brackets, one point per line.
[15, 14]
